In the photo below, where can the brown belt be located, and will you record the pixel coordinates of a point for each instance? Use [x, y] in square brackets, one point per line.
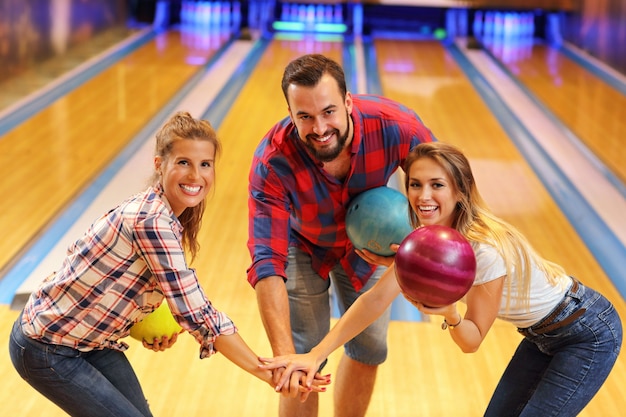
[567, 320]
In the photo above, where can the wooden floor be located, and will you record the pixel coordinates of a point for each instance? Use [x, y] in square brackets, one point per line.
[592, 110]
[50, 158]
[67, 144]
[40, 76]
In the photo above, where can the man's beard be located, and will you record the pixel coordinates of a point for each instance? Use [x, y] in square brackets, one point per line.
[329, 154]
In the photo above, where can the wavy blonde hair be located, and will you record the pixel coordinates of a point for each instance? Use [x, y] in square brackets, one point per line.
[182, 126]
[478, 224]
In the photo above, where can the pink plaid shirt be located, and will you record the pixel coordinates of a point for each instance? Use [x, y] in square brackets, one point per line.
[124, 266]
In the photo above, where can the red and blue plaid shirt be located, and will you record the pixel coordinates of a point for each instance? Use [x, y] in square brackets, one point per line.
[294, 202]
[121, 270]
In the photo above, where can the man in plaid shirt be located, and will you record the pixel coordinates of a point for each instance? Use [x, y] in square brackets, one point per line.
[307, 168]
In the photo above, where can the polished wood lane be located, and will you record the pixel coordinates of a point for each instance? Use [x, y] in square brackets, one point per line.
[32, 80]
[223, 267]
[425, 77]
[593, 110]
[46, 161]
[177, 382]
[425, 373]
[416, 380]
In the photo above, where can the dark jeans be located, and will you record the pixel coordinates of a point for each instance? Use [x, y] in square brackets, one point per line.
[100, 383]
[558, 372]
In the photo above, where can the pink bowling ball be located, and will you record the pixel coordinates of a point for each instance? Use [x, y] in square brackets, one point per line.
[435, 265]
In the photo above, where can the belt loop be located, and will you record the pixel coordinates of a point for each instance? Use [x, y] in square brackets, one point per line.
[574, 290]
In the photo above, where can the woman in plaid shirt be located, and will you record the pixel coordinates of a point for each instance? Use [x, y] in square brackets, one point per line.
[67, 341]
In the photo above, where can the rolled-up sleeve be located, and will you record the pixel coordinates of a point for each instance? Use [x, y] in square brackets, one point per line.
[159, 241]
[268, 224]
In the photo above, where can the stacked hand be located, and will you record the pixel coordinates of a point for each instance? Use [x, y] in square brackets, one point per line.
[296, 374]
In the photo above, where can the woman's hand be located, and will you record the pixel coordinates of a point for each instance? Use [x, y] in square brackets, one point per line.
[159, 345]
[304, 366]
[296, 383]
[446, 311]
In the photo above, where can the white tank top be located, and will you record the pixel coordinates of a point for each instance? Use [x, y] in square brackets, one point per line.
[544, 297]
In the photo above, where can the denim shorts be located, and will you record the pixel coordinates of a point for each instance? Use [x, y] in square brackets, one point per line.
[310, 309]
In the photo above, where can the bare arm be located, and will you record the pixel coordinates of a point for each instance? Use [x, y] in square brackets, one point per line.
[483, 303]
[235, 349]
[238, 352]
[274, 308]
[365, 310]
[273, 305]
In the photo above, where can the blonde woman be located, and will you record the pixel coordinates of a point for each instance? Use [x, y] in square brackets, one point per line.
[572, 334]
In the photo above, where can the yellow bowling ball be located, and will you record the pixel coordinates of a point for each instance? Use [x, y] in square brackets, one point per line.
[159, 323]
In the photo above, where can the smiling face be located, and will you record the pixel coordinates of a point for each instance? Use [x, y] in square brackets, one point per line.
[431, 193]
[322, 117]
[187, 174]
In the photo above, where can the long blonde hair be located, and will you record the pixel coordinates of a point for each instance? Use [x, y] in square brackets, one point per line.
[478, 224]
[182, 126]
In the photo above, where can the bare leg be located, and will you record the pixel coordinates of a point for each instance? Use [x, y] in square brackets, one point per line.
[354, 385]
[291, 407]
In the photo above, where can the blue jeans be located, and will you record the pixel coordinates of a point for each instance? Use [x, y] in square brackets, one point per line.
[556, 373]
[310, 309]
[100, 383]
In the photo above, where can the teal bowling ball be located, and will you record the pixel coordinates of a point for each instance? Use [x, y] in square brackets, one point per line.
[376, 218]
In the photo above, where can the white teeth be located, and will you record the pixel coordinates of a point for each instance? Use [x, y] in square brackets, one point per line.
[323, 138]
[190, 189]
[428, 208]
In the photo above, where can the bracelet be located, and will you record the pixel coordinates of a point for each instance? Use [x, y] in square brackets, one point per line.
[445, 324]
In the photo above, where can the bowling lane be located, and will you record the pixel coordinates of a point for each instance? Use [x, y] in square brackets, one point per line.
[593, 110]
[258, 106]
[418, 352]
[51, 157]
[425, 77]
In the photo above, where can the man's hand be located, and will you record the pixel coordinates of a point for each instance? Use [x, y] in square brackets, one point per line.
[372, 258]
[297, 384]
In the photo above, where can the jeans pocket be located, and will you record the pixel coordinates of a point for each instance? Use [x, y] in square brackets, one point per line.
[611, 319]
[65, 351]
[17, 351]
